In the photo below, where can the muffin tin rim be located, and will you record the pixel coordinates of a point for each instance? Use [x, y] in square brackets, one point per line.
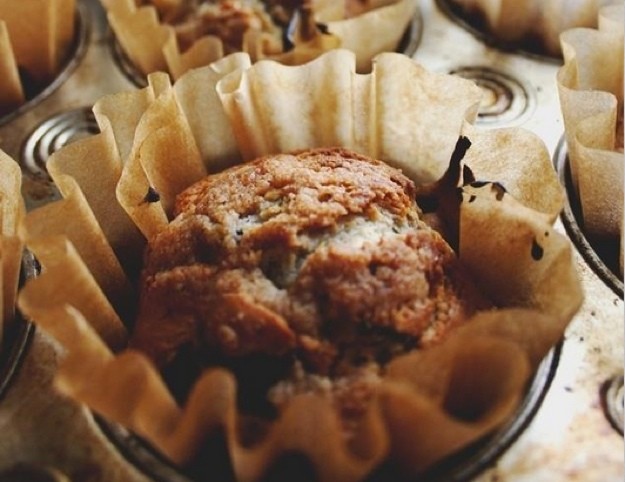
[21, 334]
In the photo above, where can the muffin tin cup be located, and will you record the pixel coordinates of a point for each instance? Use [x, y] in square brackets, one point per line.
[19, 332]
[507, 99]
[602, 257]
[77, 50]
[17, 335]
[477, 28]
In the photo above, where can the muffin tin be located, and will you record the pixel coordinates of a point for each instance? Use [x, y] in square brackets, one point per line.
[17, 337]
[576, 398]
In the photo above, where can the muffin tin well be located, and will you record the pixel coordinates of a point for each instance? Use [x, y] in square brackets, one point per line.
[49, 136]
[476, 25]
[601, 255]
[506, 99]
[77, 50]
[17, 335]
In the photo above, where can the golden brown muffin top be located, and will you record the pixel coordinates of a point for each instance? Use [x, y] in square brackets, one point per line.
[318, 255]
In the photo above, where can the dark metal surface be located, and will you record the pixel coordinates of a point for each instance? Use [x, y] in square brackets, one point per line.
[506, 98]
[17, 335]
[52, 134]
[141, 454]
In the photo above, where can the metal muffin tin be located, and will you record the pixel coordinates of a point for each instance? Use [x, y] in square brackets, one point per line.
[17, 335]
[574, 404]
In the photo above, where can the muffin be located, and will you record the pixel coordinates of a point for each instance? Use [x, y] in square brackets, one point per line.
[428, 372]
[533, 25]
[317, 260]
[176, 36]
[35, 39]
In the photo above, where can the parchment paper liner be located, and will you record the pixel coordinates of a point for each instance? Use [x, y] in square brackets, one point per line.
[152, 46]
[34, 35]
[428, 405]
[11, 214]
[540, 21]
[590, 85]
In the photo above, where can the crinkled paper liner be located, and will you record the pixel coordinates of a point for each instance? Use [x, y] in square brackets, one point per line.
[35, 36]
[156, 141]
[514, 21]
[590, 85]
[11, 213]
[152, 46]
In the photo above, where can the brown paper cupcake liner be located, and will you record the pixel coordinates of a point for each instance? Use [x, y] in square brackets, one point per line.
[590, 86]
[15, 332]
[533, 26]
[152, 45]
[11, 214]
[35, 37]
[165, 137]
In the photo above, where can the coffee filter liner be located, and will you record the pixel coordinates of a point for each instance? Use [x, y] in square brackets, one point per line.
[35, 36]
[11, 214]
[11, 90]
[590, 85]
[427, 406]
[377, 30]
[152, 46]
[514, 21]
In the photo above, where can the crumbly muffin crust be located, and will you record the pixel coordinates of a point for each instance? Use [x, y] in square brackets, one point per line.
[318, 256]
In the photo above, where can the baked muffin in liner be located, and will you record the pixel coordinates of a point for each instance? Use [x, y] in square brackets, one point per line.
[533, 25]
[35, 37]
[500, 201]
[156, 37]
[590, 86]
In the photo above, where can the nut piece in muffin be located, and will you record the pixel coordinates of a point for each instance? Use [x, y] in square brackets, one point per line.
[314, 265]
